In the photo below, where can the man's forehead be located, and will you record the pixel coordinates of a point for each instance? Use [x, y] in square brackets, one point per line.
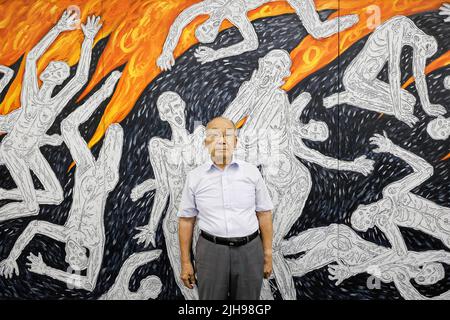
[219, 124]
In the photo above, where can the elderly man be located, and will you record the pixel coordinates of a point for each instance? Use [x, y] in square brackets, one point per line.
[234, 211]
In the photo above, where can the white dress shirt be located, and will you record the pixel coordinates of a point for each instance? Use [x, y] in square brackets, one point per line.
[225, 201]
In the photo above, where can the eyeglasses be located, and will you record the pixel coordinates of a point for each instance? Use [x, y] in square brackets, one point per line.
[218, 134]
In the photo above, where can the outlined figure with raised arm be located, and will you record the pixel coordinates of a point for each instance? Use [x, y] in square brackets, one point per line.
[399, 207]
[6, 78]
[19, 150]
[385, 44]
[171, 160]
[84, 228]
[235, 11]
[338, 243]
[150, 287]
[272, 137]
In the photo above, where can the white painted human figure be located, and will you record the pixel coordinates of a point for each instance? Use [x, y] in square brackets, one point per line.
[385, 44]
[338, 243]
[84, 228]
[150, 287]
[19, 150]
[171, 160]
[235, 11]
[8, 73]
[399, 207]
[444, 10]
[272, 137]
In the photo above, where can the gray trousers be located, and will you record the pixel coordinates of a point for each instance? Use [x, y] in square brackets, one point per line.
[225, 272]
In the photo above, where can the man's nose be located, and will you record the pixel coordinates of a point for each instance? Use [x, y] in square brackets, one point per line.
[221, 139]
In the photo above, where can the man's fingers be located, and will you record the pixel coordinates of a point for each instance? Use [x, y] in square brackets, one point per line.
[186, 282]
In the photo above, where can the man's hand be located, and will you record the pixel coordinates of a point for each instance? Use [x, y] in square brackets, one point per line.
[267, 264]
[8, 267]
[91, 27]
[187, 275]
[146, 236]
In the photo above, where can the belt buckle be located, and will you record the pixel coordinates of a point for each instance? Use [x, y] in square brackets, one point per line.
[231, 243]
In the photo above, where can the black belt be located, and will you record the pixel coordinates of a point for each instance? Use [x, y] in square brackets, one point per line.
[234, 242]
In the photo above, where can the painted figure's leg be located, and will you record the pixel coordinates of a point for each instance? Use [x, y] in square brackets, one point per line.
[20, 172]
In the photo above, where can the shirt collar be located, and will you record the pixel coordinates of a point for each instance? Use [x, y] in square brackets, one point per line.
[210, 165]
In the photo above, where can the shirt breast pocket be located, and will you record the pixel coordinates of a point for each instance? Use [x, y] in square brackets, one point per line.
[243, 194]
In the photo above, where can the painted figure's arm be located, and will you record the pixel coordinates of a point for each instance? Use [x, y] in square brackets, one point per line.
[90, 30]
[147, 233]
[419, 64]
[394, 42]
[422, 170]
[250, 42]
[238, 108]
[403, 284]
[361, 165]
[9, 265]
[133, 262]
[7, 76]
[392, 232]
[7, 121]
[87, 282]
[30, 81]
[53, 140]
[166, 59]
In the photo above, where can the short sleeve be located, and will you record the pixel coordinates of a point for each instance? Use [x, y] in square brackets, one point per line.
[263, 201]
[187, 208]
